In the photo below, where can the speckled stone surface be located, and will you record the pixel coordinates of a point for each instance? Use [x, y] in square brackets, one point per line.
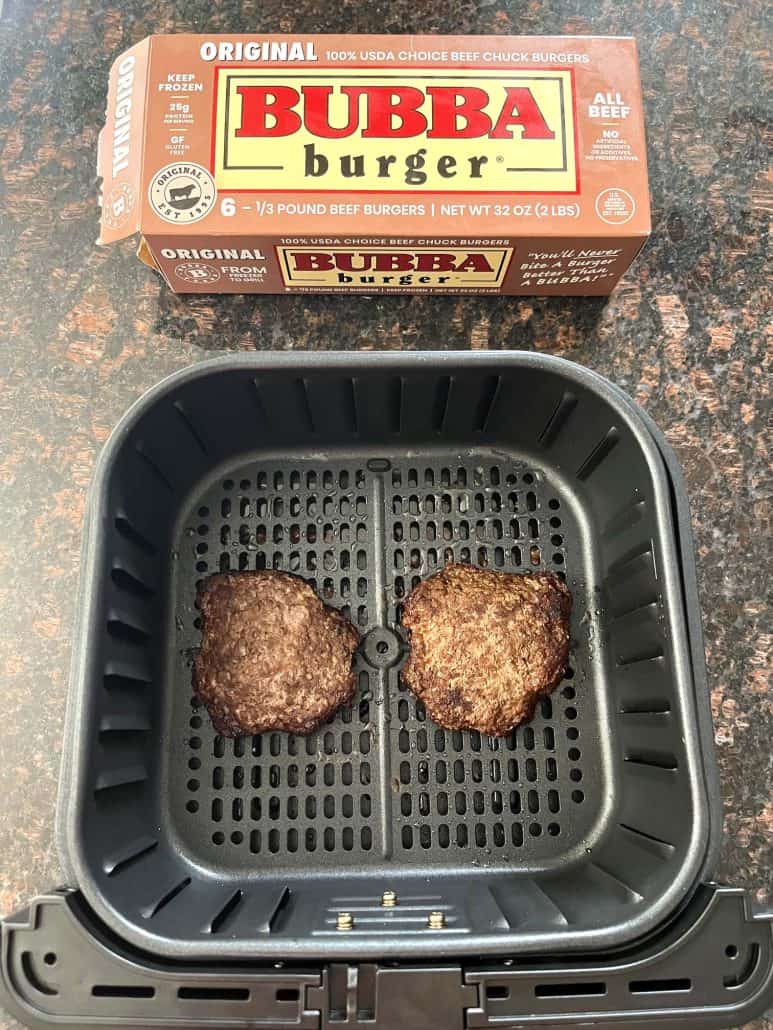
[84, 331]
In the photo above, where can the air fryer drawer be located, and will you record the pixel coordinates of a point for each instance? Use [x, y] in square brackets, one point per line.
[583, 829]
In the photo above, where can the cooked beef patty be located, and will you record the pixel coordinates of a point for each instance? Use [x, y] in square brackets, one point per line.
[272, 656]
[486, 645]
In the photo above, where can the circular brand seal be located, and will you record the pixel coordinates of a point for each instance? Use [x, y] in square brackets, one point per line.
[182, 193]
[615, 206]
[195, 272]
[117, 205]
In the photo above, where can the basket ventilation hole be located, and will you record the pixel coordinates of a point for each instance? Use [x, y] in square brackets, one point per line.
[122, 991]
[570, 990]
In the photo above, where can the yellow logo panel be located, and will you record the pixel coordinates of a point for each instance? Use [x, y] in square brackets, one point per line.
[423, 268]
[391, 131]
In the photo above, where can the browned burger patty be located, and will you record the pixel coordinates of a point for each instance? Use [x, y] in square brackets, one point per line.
[485, 645]
[272, 656]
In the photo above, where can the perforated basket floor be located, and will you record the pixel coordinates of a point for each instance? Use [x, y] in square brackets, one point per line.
[380, 782]
[581, 829]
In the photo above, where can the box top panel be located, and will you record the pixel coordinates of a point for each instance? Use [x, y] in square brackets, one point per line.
[382, 135]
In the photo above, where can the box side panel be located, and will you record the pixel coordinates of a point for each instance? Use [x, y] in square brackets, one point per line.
[288, 264]
[121, 145]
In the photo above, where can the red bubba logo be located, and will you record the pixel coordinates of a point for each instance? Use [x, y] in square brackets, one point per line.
[446, 130]
[390, 112]
[342, 266]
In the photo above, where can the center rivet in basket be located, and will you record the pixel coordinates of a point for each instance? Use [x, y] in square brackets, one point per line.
[436, 921]
[344, 921]
[382, 648]
[388, 899]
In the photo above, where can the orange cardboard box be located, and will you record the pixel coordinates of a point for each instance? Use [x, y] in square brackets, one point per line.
[378, 164]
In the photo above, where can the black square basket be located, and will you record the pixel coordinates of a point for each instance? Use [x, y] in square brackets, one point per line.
[583, 830]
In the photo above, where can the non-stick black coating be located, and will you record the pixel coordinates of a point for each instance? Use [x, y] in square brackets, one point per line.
[584, 830]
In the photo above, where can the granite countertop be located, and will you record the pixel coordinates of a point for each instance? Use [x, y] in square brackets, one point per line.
[85, 331]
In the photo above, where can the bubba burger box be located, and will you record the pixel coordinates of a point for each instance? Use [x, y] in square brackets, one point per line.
[378, 164]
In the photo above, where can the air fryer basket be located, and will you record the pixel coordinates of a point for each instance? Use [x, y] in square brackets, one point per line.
[584, 829]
